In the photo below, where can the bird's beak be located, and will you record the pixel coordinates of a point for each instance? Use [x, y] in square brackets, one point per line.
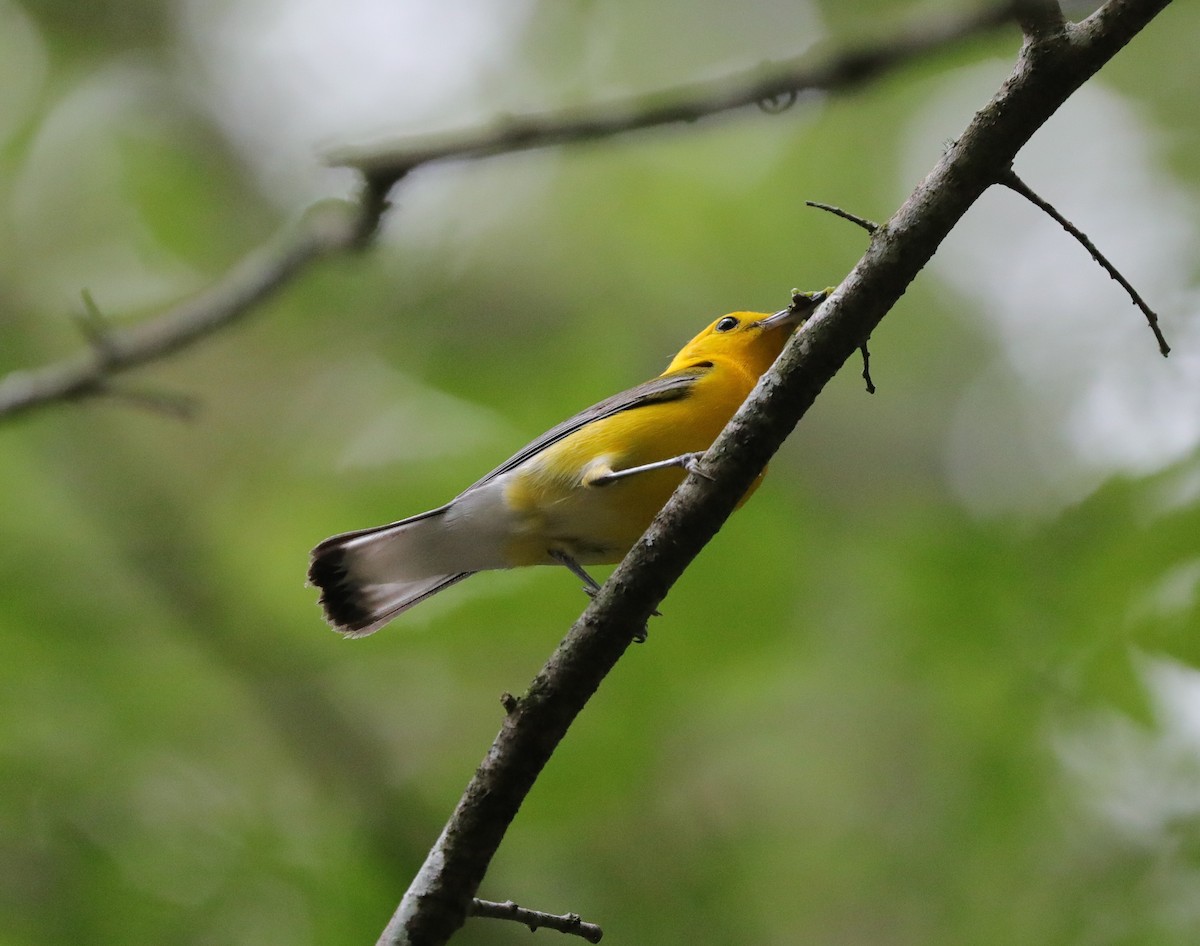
[803, 305]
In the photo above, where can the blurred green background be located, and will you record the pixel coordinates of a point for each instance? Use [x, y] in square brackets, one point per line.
[936, 684]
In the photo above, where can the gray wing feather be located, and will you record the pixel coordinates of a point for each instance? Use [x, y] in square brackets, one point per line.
[667, 387]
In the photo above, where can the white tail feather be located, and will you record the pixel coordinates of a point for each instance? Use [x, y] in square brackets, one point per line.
[381, 603]
[370, 576]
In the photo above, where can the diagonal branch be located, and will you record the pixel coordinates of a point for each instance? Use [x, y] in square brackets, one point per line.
[1045, 75]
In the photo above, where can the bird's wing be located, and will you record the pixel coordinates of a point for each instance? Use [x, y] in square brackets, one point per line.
[666, 387]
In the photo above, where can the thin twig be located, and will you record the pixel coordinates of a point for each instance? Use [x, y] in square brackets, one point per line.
[571, 923]
[869, 225]
[784, 81]
[866, 372]
[95, 328]
[114, 350]
[1010, 180]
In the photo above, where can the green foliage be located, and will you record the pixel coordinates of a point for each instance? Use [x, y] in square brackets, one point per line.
[875, 710]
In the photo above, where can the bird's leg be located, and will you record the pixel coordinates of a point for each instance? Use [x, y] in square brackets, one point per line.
[688, 461]
[591, 586]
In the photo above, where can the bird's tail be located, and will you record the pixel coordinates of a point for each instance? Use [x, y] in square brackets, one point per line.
[369, 577]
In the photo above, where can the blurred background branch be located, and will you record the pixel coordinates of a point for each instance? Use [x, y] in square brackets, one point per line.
[271, 268]
[326, 230]
[775, 82]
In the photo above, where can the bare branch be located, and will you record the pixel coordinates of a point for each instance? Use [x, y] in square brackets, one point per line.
[869, 225]
[1015, 184]
[781, 82]
[866, 372]
[95, 328]
[437, 902]
[113, 350]
[570, 923]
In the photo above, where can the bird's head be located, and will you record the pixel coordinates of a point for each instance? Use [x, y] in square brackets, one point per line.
[750, 340]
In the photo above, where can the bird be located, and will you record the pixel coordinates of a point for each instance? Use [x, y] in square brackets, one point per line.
[580, 494]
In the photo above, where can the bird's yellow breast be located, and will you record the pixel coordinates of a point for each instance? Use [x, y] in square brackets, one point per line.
[553, 506]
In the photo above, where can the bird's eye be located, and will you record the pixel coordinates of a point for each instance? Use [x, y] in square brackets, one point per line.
[727, 324]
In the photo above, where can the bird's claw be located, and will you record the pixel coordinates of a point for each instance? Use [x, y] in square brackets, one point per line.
[691, 463]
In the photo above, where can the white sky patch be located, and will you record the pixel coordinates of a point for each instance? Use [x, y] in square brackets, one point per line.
[1142, 781]
[1081, 392]
[289, 78]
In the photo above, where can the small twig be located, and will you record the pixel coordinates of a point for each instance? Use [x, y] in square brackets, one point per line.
[95, 329]
[570, 923]
[869, 225]
[866, 372]
[1010, 180]
[797, 295]
[99, 334]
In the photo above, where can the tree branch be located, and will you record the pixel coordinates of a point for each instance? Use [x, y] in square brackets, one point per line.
[780, 82]
[1039, 19]
[326, 231]
[869, 225]
[1018, 186]
[438, 899]
[571, 923]
[273, 266]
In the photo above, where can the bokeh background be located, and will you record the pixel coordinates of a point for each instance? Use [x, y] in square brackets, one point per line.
[936, 684]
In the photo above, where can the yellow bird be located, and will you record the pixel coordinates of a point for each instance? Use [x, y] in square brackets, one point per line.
[581, 494]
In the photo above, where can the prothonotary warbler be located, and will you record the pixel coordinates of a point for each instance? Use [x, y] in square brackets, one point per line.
[582, 493]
